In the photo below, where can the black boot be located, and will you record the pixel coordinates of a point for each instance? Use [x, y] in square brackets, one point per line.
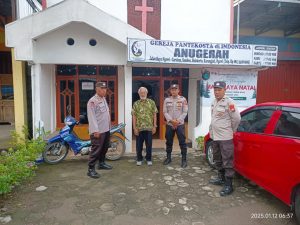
[92, 173]
[220, 180]
[183, 162]
[104, 166]
[227, 188]
[168, 160]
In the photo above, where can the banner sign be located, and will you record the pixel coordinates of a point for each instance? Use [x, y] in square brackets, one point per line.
[241, 87]
[178, 52]
[87, 86]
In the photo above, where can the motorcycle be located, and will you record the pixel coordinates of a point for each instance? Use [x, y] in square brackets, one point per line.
[57, 147]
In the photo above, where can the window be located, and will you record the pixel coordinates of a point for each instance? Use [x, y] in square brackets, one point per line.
[145, 71]
[172, 72]
[255, 121]
[288, 124]
[76, 85]
[66, 70]
[86, 91]
[7, 92]
[5, 63]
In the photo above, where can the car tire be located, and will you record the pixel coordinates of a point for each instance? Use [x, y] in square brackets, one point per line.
[297, 205]
[209, 154]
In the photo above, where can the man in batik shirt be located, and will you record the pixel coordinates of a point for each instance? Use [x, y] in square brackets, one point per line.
[144, 125]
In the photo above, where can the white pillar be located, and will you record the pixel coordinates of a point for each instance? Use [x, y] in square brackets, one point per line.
[121, 96]
[192, 115]
[35, 87]
[43, 97]
[128, 106]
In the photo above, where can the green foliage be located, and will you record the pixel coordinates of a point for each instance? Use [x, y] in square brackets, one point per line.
[200, 142]
[17, 164]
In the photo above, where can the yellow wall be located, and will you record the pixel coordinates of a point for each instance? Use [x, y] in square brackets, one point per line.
[19, 93]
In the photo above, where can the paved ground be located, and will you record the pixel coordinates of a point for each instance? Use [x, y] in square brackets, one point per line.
[131, 195]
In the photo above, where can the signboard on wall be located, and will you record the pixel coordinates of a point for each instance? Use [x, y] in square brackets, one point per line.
[241, 87]
[194, 53]
[87, 86]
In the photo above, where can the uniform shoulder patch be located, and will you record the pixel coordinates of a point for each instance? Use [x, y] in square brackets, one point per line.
[91, 103]
[232, 107]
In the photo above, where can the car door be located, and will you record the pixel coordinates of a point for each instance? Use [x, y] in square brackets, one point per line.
[250, 140]
[280, 171]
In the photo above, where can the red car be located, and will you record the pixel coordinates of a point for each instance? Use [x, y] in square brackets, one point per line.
[267, 149]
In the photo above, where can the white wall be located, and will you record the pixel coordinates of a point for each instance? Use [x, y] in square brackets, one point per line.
[116, 8]
[196, 20]
[23, 9]
[52, 47]
[43, 97]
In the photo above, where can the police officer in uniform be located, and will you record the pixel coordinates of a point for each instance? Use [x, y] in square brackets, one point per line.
[225, 119]
[175, 110]
[99, 126]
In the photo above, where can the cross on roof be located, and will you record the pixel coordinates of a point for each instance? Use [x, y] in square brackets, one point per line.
[144, 9]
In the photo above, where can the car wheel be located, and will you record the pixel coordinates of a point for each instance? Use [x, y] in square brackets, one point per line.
[209, 154]
[297, 206]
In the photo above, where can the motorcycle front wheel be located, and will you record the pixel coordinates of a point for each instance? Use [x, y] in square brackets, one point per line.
[116, 148]
[55, 153]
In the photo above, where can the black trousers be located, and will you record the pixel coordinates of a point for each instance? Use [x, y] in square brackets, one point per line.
[223, 156]
[170, 133]
[99, 148]
[147, 137]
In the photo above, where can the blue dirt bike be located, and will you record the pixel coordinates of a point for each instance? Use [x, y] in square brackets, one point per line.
[57, 147]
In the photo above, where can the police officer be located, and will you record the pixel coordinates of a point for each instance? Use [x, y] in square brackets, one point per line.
[175, 110]
[99, 126]
[225, 119]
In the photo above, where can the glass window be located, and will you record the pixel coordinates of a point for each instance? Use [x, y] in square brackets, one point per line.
[5, 63]
[108, 70]
[255, 121]
[185, 72]
[67, 98]
[87, 70]
[288, 124]
[145, 71]
[171, 72]
[7, 92]
[86, 91]
[66, 70]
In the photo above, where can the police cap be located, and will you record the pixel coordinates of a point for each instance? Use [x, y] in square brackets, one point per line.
[101, 84]
[220, 84]
[174, 86]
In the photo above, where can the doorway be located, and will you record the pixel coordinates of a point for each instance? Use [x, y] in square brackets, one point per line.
[158, 81]
[153, 93]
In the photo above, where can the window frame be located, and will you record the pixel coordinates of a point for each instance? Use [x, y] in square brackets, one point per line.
[252, 110]
[76, 78]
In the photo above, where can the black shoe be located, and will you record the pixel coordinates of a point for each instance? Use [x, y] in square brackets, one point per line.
[104, 166]
[183, 163]
[220, 180]
[227, 189]
[93, 174]
[167, 161]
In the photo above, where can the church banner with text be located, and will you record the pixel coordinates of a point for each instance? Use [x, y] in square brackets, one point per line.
[178, 52]
[240, 86]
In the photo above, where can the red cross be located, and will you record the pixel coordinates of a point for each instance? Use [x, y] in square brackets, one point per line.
[144, 9]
